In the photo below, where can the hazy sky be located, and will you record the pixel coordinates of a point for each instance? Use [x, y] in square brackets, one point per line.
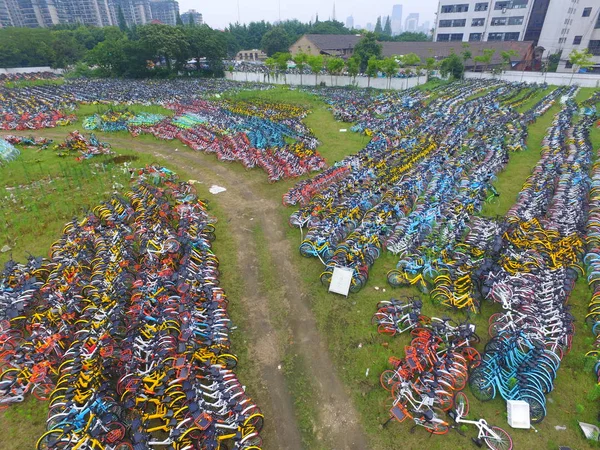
[219, 13]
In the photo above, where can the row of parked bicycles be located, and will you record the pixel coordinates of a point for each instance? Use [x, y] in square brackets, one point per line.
[124, 330]
[50, 105]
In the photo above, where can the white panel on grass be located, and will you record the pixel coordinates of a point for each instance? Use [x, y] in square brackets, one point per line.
[340, 280]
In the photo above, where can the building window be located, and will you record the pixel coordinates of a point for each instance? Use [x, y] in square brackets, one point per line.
[475, 37]
[587, 12]
[447, 9]
[456, 37]
[462, 8]
[594, 47]
[577, 40]
[568, 65]
[445, 23]
[598, 22]
[518, 4]
[501, 5]
[515, 20]
[495, 36]
[478, 22]
[455, 8]
[562, 40]
[511, 36]
[443, 37]
[498, 21]
[459, 22]
[481, 6]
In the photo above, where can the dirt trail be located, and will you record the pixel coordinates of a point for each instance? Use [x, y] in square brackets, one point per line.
[338, 426]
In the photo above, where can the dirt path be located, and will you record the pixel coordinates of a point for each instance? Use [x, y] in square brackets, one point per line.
[338, 426]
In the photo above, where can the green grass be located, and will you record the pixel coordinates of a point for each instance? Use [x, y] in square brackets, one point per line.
[540, 94]
[510, 181]
[40, 192]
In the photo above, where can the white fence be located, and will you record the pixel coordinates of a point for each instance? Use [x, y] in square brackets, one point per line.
[31, 70]
[559, 79]
[309, 80]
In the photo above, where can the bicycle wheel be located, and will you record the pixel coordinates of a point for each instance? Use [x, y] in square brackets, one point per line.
[51, 440]
[42, 391]
[256, 420]
[503, 441]
[438, 426]
[482, 388]
[388, 378]
[227, 360]
[461, 403]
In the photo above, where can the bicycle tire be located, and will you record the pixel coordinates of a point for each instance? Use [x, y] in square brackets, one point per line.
[504, 441]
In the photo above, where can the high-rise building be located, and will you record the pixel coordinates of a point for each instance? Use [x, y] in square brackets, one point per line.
[164, 11]
[30, 13]
[350, 22]
[136, 12]
[396, 19]
[370, 26]
[412, 22]
[195, 16]
[87, 12]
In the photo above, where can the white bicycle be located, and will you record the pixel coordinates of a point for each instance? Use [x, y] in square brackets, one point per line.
[494, 437]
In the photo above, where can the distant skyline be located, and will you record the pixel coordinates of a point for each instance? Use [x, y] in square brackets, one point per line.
[221, 13]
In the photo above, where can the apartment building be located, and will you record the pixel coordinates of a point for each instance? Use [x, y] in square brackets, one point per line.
[478, 20]
[136, 12]
[193, 15]
[164, 11]
[30, 13]
[572, 25]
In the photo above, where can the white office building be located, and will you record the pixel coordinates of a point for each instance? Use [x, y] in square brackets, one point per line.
[559, 26]
[478, 20]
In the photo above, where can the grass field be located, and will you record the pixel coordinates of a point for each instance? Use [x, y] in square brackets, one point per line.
[359, 352]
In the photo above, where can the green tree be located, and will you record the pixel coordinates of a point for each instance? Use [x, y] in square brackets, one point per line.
[507, 57]
[166, 42]
[485, 58]
[372, 69]
[452, 66]
[353, 66]
[389, 66]
[580, 59]
[334, 67]
[466, 53]
[378, 29]
[191, 22]
[178, 20]
[387, 29]
[282, 62]
[204, 42]
[65, 49]
[366, 48]
[430, 65]
[271, 64]
[315, 62]
[274, 41]
[411, 60]
[301, 59]
[329, 27]
[409, 36]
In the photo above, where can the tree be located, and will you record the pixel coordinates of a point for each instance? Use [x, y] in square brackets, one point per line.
[366, 48]
[409, 36]
[165, 42]
[486, 58]
[178, 20]
[301, 59]
[274, 41]
[411, 60]
[271, 64]
[372, 69]
[389, 66]
[282, 59]
[353, 66]
[507, 57]
[580, 60]
[204, 42]
[466, 53]
[334, 67]
[315, 62]
[387, 29]
[378, 29]
[452, 66]
[430, 65]
[191, 22]
[329, 27]
[121, 19]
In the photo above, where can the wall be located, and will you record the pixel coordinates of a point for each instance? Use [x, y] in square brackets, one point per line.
[309, 80]
[560, 79]
[31, 70]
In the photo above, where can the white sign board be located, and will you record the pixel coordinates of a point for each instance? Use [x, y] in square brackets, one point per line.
[341, 280]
